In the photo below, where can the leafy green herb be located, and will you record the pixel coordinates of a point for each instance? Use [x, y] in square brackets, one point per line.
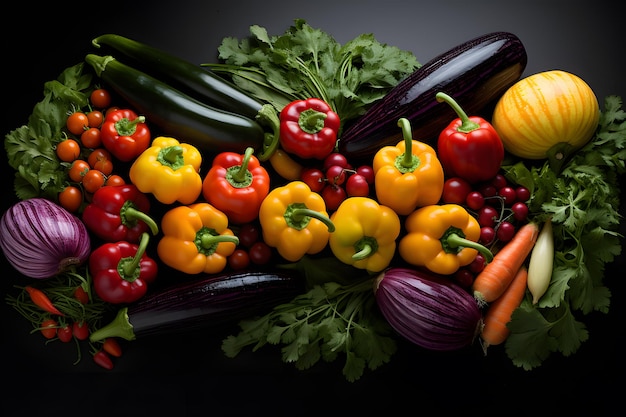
[583, 202]
[306, 62]
[322, 323]
[30, 148]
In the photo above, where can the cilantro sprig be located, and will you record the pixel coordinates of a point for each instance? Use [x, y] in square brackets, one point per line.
[307, 62]
[30, 148]
[583, 202]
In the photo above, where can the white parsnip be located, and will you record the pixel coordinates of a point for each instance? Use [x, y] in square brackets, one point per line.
[541, 262]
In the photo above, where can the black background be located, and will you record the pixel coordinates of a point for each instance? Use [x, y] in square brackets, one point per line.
[189, 375]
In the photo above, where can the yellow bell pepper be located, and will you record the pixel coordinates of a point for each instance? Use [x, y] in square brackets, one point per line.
[170, 170]
[441, 238]
[196, 239]
[294, 220]
[408, 175]
[365, 233]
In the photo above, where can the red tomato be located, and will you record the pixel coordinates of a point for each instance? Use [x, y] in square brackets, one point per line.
[239, 259]
[455, 190]
[260, 253]
[65, 333]
[49, 328]
[80, 330]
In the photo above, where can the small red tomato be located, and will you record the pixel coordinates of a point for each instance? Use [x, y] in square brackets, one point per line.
[80, 330]
[112, 347]
[64, 333]
[333, 196]
[455, 190]
[103, 359]
[314, 178]
[81, 295]
[239, 259]
[49, 328]
[357, 186]
[260, 253]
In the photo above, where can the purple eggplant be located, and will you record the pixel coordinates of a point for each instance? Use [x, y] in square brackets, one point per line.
[475, 73]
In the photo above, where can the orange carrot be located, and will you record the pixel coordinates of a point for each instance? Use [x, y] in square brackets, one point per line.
[499, 313]
[491, 282]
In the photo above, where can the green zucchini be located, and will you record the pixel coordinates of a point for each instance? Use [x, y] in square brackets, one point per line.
[175, 113]
[194, 80]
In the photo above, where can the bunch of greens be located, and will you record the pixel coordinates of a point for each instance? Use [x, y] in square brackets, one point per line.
[306, 62]
[337, 316]
[583, 201]
[31, 148]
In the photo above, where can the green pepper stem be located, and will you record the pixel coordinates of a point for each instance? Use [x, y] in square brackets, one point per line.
[130, 214]
[240, 174]
[466, 124]
[268, 116]
[311, 121]
[127, 127]
[453, 240]
[407, 135]
[207, 240]
[171, 156]
[299, 213]
[119, 327]
[130, 265]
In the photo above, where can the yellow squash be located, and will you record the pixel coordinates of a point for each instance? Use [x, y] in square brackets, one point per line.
[546, 115]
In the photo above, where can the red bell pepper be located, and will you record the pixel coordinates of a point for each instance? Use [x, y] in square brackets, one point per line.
[469, 147]
[236, 185]
[125, 134]
[122, 271]
[309, 128]
[119, 212]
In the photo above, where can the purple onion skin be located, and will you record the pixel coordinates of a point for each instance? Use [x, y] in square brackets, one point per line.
[41, 239]
[428, 310]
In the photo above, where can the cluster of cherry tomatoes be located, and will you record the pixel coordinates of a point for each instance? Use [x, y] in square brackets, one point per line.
[89, 164]
[336, 179]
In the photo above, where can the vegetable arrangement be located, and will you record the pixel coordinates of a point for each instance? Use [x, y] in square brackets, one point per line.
[325, 201]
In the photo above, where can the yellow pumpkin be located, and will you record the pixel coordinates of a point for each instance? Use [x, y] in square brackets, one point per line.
[550, 114]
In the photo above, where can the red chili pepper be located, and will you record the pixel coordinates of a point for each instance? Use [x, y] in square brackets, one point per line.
[309, 128]
[124, 134]
[119, 212]
[103, 359]
[236, 185]
[42, 301]
[122, 270]
[469, 147]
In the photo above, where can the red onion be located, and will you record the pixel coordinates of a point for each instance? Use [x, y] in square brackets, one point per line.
[428, 310]
[41, 239]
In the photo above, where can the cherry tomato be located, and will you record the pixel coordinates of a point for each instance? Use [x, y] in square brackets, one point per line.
[487, 216]
[336, 175]
[260, 253]
[464, 277]
[499, 181]
[478, 264]
[335, 158]
[455, 190]
[333, 196]
[488, 190]
[520, 211]
[505, 232]
[368, 172]
[81, 295]
[91, 138]
[487, 235]
[93, 180]
[522, 194]
[112, 347]
[68, 150]
[115, 180]
[77, 122]
[49, 328]
[248, 235]
[101, 159]
[103, 359]
[78, 169]
[239, 259]
[100, 98]
[80, 330]
[357, 186]
[508, 194]
[71, 198]
[314, 178]
[475, 200]
[95, 117]
[64, 333]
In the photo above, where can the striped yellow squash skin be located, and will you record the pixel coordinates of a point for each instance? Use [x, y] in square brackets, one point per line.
[545, 109]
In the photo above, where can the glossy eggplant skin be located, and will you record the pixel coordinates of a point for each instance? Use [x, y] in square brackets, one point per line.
[204, 302]
[194, 80]
[175, 113]
[475, 73]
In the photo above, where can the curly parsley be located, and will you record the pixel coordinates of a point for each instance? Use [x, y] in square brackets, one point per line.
[583, 201]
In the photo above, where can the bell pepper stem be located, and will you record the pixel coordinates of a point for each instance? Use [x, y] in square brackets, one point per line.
[298, 214]
[207, 240]
[240, 174]
[453, 240]
[119, 327]
[407, 162]
[171, 156]
[311, 121]
[466, 124]
[268, 116]
[127, 127]
[130, 265]
[130, 214]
